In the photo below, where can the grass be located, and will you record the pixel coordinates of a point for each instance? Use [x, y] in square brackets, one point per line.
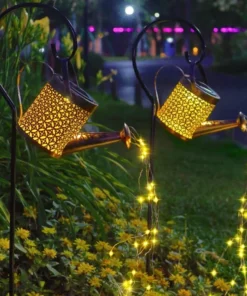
[199, 182]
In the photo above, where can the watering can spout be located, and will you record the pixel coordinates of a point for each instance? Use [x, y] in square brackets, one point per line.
[213, 126]
[86, 140]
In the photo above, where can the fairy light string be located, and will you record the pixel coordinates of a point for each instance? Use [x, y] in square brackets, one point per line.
[238, 242]
[145, 242]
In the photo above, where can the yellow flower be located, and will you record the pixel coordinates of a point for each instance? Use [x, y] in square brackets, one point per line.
[49, 230]
[84, 268]
[120, 222]
[184, 292]
[193, 278]
[106, 262]
[66, 242]
[221, 285]
[30, 212]
[4, 243]
[102, 246]
[147, 279]
[116, 262]
[174, 256]
[30, 243]
[177, 279]
[16, 278]
[81, 244]
[22, 233]
[125, 237]
[95, 282]
[2, 257]
[100, 193]
[107, 271]
[62, 196]
[134, 264]
[44, 24]
[152, 293]
[87, 217]
[140, 224]
[168, 230]
[78, 60]
[67, 254]
[112, 207]
[64, 220]
[158, 273]
[91, 256]
[32, 252]
[164, 283]
[50, 253]
[179, 245]
[179, 268]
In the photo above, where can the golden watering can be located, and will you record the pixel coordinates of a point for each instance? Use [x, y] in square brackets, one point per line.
[54, 120]
[186, 110]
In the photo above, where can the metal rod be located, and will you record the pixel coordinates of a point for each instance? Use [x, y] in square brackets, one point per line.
[85, 43]
[12, 190]
[13, 135]
[155, 105]
[150, 180]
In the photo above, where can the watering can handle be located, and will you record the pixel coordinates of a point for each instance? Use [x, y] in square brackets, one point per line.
[187, 57]
[19, 82]
[157, 99]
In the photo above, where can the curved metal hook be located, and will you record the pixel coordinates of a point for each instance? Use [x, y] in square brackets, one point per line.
[45, 6]
[140, 35]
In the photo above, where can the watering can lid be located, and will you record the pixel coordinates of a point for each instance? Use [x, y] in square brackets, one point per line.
[201, 90]
[78, 96]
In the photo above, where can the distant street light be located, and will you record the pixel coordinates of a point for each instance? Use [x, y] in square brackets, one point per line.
[157, 14]
[129, 10]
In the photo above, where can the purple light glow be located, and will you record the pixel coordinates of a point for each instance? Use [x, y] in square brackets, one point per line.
[176, 30]
[91, 28]
[167, 30]
[118, 30]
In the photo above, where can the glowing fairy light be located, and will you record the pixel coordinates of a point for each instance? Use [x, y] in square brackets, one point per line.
[237, 238]
[147, 231]
[155, 231]
[133, 272]
[150, 186]
[155, 200]
[141, 199]
[241, 229]
[148, 288]
[241, 253]
[213, 272]
[229, 242]
[154, 241]
[232, 283]
[150, 196]
[241, 211]
[145, 244]
[144, 152]
[243, 199]
[128, 285]
[136, 245]
[111, 253]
